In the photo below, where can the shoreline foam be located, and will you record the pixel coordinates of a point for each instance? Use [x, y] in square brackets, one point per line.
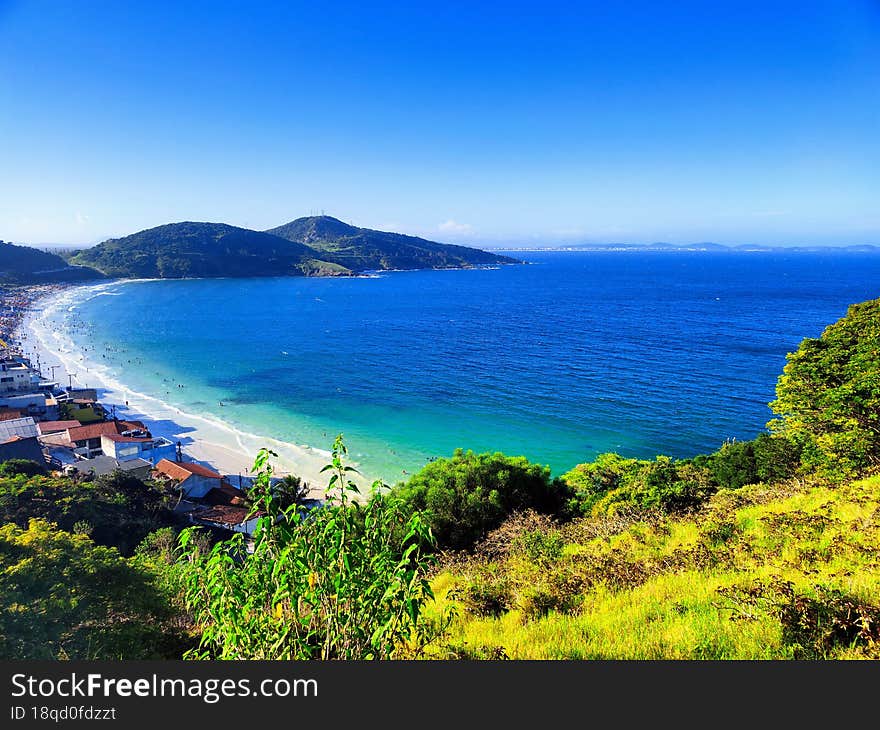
[204, 439]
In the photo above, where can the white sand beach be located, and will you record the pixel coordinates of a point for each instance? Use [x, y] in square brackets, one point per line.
[204, 439]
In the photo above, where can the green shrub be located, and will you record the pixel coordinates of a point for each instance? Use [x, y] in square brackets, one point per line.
[814, 623]
[16, 467]
[121, 510]
[767, 458]
[467, 495]
[613, 484]
[487, 593]
[539, 546]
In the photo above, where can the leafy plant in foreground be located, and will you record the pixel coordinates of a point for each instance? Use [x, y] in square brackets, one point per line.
[336, 582]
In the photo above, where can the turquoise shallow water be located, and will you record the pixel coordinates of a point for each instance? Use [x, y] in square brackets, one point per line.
[575, 354]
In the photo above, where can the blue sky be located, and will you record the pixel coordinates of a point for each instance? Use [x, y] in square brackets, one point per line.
[468, 122]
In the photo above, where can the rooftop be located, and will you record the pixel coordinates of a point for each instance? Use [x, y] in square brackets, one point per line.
[118, 438]
[224, 515]
[95, 430]
[224, 494]
[25, 427]
[102, 465]
[56, 426]
[181, 470]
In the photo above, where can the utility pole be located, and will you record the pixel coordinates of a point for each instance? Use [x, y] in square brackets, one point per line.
[53, 368]
[70, 380]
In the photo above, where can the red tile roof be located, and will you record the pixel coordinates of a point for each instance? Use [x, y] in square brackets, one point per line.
[224, 494]
[56, 426]
[95, 430]
[9, 415]
[224, 515]
[181, 470]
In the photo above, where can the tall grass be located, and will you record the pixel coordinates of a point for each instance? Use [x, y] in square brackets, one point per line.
[762, 572]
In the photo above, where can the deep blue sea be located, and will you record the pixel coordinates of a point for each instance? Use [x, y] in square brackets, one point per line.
[559, 360]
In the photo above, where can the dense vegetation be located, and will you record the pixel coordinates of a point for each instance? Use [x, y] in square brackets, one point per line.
[117, 510]
[361, 249]
[828, 396]
[179, 250]
[763, 549]
[26, 265]
[320, 246]
[66, 598]
[467, 495]
[788, 571]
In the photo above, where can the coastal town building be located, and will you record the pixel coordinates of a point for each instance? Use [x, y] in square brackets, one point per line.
[23, 427]
[22, 447]
[16, 376]
[18, 440]
[207, 498]
[85, 441]
[47, 427]
[82, 394]
[194, 480]
[226, 517]
[104, 465]
[136, 445]
[39, 405]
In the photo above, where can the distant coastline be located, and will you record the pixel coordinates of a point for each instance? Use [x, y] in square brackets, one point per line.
[690, 248]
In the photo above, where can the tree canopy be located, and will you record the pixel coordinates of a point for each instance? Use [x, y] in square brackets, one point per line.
[66, 598]
[469, 494]
[828, 396]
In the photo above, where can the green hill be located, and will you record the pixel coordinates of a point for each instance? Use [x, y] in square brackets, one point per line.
[364, 249]
[179, 250]
[26, 265]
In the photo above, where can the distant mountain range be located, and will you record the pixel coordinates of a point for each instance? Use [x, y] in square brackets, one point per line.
[313, 246]
[704, 246]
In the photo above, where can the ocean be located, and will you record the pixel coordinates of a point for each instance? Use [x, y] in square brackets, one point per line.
[571, 355]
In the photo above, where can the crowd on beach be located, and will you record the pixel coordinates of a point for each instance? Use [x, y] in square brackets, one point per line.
[15, 301]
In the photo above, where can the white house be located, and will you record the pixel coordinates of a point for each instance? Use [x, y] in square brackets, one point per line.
[124, 447]
[16, 376]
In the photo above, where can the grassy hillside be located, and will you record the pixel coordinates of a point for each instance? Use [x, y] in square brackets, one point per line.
[362, 248]
[782, 572]
[26, 265]
[179, 250]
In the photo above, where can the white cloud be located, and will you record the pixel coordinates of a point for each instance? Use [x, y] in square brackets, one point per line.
[454, 228]
[81, 219]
